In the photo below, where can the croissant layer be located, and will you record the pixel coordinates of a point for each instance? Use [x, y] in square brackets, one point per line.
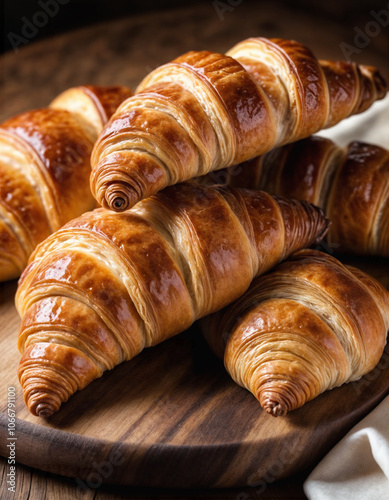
[205, 111]
[309, 325]
[106, 285]
[351, 184]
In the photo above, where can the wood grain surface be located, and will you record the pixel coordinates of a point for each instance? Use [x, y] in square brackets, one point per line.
[37, 485]
[172, 416]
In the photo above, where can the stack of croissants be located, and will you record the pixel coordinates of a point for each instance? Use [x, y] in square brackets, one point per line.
[201, 196]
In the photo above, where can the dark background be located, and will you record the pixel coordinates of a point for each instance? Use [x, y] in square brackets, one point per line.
[73, 14]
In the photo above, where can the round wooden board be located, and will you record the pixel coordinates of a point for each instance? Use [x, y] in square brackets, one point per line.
[172, 416]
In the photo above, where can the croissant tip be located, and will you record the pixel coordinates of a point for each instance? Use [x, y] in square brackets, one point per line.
[275, 409]
[326, 227]
[119, 204]
[44, 410]
[119, 198]
[378, 79]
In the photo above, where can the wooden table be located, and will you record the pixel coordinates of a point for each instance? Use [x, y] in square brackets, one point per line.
[33, 484]
[124, 51]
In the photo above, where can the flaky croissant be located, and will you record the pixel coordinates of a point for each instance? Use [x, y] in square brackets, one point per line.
[309, 325]
[205, 111]
[106, 285]
[45, 169]
[351, 184]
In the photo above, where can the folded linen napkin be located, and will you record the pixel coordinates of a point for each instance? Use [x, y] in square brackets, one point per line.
[357, 468]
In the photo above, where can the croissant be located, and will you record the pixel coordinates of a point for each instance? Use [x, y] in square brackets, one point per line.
[351, 184]
[108, 284]
[206, 111]
[309, 325]
[45, 169]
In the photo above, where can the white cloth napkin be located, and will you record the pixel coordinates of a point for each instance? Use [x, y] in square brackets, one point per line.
[370, 126]
[357, 468]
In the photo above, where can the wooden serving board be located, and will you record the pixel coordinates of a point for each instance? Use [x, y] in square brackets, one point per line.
[172, 417]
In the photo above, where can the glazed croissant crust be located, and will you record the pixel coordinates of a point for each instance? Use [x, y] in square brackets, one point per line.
[205, 111]
[106, 285]
[351, 184]
[45, 169]
[309, 325]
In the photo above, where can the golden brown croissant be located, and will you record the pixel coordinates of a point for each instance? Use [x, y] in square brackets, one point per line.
[351, 184]
[308, 326]
[45, 169]
[205, 111]
[106, 285]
